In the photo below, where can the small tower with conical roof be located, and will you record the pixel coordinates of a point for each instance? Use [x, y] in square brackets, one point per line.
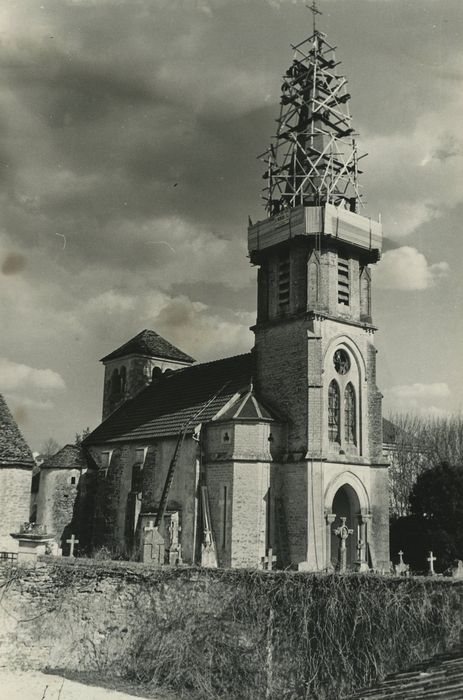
[16, 464]
[135, 364]
[315, 357]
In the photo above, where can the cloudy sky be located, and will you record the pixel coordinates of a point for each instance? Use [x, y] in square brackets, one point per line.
[129, 131]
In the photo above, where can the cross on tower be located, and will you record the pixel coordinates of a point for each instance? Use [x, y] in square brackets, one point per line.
[315, 11]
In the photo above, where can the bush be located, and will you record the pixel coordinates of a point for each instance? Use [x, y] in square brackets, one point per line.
[436, 520]
[290, 636]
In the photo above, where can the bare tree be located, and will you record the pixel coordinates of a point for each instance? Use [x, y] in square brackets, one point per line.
[414, 444]
[80, 437]
[49, 448]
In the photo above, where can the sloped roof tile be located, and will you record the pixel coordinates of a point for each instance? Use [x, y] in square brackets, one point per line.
[68, 457]
[166, 406]
[13, 448]
[247, 407]
[149, 343]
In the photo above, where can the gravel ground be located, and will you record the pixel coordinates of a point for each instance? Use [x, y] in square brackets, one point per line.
[34, 685]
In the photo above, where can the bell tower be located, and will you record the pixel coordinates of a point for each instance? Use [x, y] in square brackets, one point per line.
[314, 336]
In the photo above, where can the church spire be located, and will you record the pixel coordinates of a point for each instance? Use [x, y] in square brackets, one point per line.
[313, 158]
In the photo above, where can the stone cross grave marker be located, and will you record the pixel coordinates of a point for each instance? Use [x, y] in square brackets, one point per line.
[153, 550]
[401, 569]
[343, 533]
[431, 559]
[72, 541]
[269, 560]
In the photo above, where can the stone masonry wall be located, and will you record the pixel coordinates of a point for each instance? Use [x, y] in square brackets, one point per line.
[15, 487]
[80, 615]
[114, 495]
[56, 500]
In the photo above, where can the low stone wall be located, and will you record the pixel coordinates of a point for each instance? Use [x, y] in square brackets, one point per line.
[223, 633]
[79, 615]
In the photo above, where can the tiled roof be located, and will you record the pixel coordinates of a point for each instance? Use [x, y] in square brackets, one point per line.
[389, 432]
[247, 407]
[149, 343]
[166, 405]
[68, 457]
[13, 447]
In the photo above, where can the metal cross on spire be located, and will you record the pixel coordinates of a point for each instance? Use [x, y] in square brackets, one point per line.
[315, 11]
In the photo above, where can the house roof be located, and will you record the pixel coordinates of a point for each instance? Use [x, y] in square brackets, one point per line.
[167, 405]
[247, 407]
[149, 343]
[68, 457]
[389, 432]
[13, 448]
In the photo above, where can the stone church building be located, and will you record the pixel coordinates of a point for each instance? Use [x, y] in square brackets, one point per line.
[262, 454]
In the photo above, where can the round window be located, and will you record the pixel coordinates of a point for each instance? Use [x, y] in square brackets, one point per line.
[341, 361]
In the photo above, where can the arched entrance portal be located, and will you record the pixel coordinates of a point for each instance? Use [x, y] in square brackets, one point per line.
[345, 504]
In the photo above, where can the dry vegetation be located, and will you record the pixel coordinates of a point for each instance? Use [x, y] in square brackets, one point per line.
[246, 634]
[291, 636]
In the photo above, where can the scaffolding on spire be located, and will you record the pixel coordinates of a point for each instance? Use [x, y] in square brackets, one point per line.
[313, 159]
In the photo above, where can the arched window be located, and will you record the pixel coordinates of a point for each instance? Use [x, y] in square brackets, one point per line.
[350, 421]
[123, 379]
[115, 383]
[334, 411]
[156, 373]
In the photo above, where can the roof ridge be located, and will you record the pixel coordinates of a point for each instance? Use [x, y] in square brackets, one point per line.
[150, 343]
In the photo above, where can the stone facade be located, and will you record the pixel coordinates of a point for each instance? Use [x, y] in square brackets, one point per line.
[294, 443]
[16, 464]
[61, 494]
[15, 485]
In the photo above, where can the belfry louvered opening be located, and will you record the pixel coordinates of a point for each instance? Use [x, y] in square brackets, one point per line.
[283, 280]
[343, 282]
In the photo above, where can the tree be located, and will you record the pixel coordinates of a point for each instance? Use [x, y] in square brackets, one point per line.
[80, 437]
[49, 448]
[415, 444]
[436, 518]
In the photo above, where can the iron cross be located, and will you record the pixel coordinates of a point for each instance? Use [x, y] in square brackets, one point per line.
[315, 11]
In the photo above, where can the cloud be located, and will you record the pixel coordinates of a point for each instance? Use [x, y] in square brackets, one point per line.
[418, 398]
[422, 392]
[20, 403]
[407, 269]
[17, 376]
[193, 326]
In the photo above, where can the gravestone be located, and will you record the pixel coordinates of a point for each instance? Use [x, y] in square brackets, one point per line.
[269, 560]
[173, 550]
[153, 546]
[72, 541]
[401, 569]
[431, 559]
[457, 572]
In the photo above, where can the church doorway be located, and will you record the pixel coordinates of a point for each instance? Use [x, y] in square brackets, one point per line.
[345, 505]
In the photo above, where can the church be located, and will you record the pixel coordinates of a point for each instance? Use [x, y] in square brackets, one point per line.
[256, 460]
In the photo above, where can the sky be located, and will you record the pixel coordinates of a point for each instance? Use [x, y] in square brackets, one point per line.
[129, 131]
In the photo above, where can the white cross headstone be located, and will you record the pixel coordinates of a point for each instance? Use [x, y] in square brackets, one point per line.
[401, 569]
[269, 560]
[72, 542]
[431, 559]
